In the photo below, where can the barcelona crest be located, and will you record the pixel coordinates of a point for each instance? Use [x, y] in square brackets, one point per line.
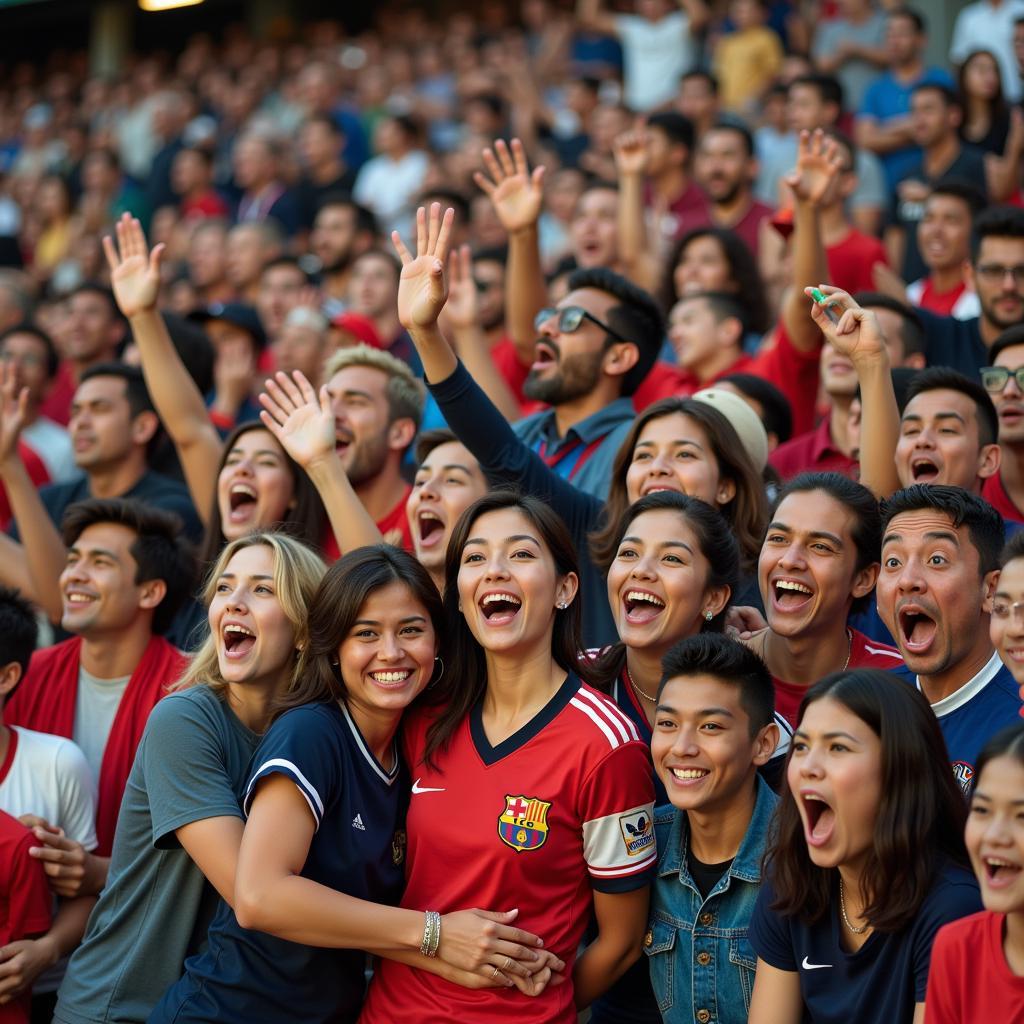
[523, 824]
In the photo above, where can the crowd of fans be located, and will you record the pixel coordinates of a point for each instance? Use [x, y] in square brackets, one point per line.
[410, 439]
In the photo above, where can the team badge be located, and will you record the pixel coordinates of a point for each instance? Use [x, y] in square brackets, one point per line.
[523, 824]
[637, 832]
[398, 847]
[964, 774]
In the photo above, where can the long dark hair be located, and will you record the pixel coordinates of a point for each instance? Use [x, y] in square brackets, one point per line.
[335, 607]
[718, 546]
[307, 519]
[465, 678]
[920, 819]
[998, 109]
[742, 269]
[746, 512]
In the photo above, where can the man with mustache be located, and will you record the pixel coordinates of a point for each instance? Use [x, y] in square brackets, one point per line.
[940, 560]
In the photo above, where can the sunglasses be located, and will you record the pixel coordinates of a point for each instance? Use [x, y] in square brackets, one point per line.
[569, 319]
[995, 378]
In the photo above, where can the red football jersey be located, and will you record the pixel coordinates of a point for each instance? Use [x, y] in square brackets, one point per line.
[559, 809]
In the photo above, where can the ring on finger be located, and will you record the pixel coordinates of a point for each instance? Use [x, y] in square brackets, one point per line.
[508, 962]
[495, 972]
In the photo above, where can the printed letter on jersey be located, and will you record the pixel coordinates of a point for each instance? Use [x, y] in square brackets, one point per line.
[523, 824]
[637, 832]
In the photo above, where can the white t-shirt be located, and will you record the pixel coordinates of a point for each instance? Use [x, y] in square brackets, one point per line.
[388, 187]
[52, 443]
[655, 54]
[95, 710]
[981, 26]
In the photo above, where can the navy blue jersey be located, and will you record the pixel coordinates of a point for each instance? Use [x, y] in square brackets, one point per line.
[358, 848]
[881, 981]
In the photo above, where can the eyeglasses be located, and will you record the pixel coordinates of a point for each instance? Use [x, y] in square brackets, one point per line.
[993, 272]
[995, 378]
[1006, 610]
[570, 318]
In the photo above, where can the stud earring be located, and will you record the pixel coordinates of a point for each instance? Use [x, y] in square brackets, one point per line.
[709, 616]
[562, 605]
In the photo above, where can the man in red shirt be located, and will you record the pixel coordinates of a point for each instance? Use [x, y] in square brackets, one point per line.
[377, 405]
[726, 169]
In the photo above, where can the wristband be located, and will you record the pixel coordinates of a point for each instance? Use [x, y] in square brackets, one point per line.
[431, 933]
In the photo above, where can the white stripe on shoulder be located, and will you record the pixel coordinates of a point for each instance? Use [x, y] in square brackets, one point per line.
[884, 651]
[592, 714]
[305, 787]
[622, 725]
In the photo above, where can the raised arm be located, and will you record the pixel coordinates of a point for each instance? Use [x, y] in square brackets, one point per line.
[33, 566]
[592, 18]
[858, 336]
[518, 199]
[135, 278]
[812, 180]
[460, 318]
[304, 424]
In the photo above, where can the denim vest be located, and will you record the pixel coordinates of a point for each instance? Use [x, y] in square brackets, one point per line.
[702, 963]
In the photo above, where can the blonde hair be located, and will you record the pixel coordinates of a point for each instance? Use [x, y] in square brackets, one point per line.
[297, 574]
[406, 395]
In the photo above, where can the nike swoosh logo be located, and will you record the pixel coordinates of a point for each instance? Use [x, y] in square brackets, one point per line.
[417, 788]
[808, 966]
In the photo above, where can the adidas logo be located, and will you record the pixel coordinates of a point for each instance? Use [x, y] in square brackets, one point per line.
[357, 822]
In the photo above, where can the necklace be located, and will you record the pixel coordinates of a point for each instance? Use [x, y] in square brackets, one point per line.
[842, 906]
[849, 651]
[646, 696]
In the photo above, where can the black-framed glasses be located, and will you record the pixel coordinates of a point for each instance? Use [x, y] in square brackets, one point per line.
[570, 318]
[995, 378]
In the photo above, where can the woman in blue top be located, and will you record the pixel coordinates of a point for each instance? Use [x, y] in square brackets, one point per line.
[868, 860]
[321, 862]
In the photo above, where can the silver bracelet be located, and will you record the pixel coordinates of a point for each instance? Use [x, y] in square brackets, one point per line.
[431, 933]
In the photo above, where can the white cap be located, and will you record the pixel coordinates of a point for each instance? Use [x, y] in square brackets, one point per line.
[744, 421]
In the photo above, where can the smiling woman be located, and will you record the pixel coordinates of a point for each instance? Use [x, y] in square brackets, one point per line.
[867, 862]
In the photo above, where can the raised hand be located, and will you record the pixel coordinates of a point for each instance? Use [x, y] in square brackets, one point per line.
[856, 334]
[422, 290]
[517, 194]
[818, 164]
[233, 372]
[461, 309]
[631, 152]
[134, 270]
[302, 422]
[13, 413]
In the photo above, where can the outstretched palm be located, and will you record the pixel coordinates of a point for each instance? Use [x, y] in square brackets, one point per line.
[422, 290]
[818, 164]
[134, 270]
[517, 194]
[13, 413]
[298, 418]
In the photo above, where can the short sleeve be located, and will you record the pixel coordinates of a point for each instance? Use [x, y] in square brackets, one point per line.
[617, 810]
[951, 900]
[871, 190]
[29, 896]
[769, 932]
[301, 746]
[77, 795]
[945, 961]
[184, 766]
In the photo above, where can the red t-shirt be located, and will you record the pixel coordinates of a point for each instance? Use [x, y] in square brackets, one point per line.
[748, 227]
[812, 452]
[850, 262]
[941, 303]
[864, 653]
[25, 900]
[57, 404]
[668, 381]
[209, 204]
[969, 980]
[560, 809]
[506, 358]
[793, 372]
[394, 528]
[38, 474]
[993, 491]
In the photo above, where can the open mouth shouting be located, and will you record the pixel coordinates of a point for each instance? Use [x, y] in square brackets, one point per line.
[429, 527]
[917, 629]
[238, 639]
[1000, 873]
[641, 606]
[242, 499]
[342, 440]
[819, 818]
[500, 607]
[924, 469]
[544, 355]
[789, 595]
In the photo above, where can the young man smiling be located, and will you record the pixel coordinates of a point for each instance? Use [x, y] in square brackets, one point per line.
[713, 729]
[940, 561]
[819, 559]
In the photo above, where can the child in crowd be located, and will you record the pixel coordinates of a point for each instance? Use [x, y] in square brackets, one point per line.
[713, 729]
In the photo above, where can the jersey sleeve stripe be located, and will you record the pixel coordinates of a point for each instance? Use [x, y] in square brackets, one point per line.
[632, 869]
[613, 740]
[619, 721]
[884, 652]
[304, 786]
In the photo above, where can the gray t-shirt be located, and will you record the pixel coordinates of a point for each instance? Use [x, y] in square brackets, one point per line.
[156, 907]
[95, 709]
[854, 75]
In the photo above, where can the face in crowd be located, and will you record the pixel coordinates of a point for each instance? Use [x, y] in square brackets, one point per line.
[255, 487]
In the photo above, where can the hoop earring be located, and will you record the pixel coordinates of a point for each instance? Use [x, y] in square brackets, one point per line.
[441, 673]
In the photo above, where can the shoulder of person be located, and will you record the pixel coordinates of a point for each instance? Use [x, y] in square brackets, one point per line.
[954, 894]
